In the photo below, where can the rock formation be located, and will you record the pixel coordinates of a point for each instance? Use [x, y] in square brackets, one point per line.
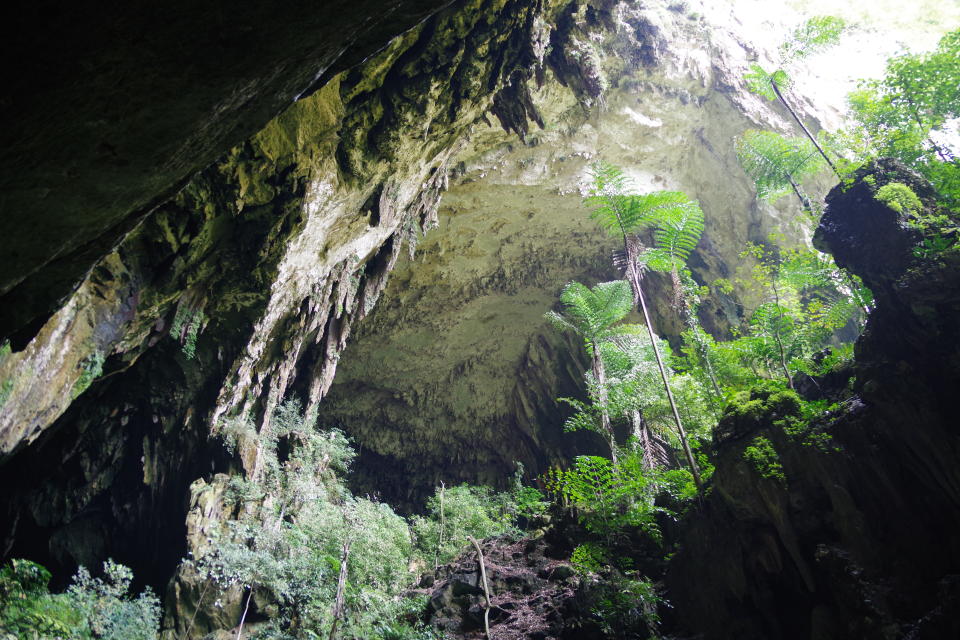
[851, 537]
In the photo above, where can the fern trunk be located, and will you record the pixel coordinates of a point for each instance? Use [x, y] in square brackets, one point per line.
[638, 292]
[806, 131]
[776, 336]
[600, 374]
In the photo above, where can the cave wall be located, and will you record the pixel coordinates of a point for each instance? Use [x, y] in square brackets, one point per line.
[242, 287]
[457, 353]
[109, 110]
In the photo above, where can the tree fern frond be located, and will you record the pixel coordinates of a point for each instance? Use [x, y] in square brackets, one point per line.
[678, 231]
[814, 35]
[773, 161]
[591, 313]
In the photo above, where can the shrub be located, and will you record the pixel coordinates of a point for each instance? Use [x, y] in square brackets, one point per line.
[764, 459]
[91, 608]
[458, 512]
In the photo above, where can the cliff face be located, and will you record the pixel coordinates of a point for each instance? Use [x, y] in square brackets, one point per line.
[854, 536]
[243, 287]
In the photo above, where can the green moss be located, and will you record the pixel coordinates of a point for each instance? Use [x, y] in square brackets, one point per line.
[6, 387]
[763, 403]
[764, 459]
[899, 197]
[91, 368]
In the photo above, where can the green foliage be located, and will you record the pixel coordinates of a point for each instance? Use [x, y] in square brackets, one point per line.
[899, 197]
[297, 518]
[186, 326]
[91, 608]
[807, 300]
[761, 82]
[764, 459]
[289, 541]
[467, 511]
[90, 369]
[592, 313]
[619, 212]
[625, 605]
[28, 610]
[528, 503]
[813, 36]
[109, 611]
[608, 499]
[588, 557]
[906, 113]
[677, 231]
[776, 162]
[676, 221]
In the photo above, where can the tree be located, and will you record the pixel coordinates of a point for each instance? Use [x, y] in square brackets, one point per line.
[592, 314]
[677, 222]
[813, 36]
[633, 390]
[777, 164]
[905, 114]
[807, 299]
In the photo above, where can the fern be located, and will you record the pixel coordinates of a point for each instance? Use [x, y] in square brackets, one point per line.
[678, 230]
[591, 313]
[619, 212]
[774, 161]
[813, 36]
[760, 81]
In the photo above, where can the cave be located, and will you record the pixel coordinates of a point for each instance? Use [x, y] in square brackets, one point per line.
[344, 241]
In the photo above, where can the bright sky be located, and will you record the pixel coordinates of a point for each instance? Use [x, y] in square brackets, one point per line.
[880, 29]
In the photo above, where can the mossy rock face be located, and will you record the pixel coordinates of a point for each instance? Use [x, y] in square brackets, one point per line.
[841, 525]
[129, 106]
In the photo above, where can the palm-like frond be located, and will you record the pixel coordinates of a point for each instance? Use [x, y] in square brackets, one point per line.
[619, 211]
[591, 313]
[772, 161]
[807, 270]
[813, 36]
[760, 81]
[678, 230]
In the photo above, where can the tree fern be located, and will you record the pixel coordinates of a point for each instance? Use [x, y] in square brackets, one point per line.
[618, 211]
[813, 36]
[776, 163]
[592, 313]
[676, 234]
[622, 213]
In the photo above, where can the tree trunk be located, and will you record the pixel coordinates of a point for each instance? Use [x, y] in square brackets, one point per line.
[341, 589]
[642, 434]
[804, 200]
[638, 293]
[436, 555]
[486, 586]
[600, 375]
[783, 101]
[776, 334]
[244, 615]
